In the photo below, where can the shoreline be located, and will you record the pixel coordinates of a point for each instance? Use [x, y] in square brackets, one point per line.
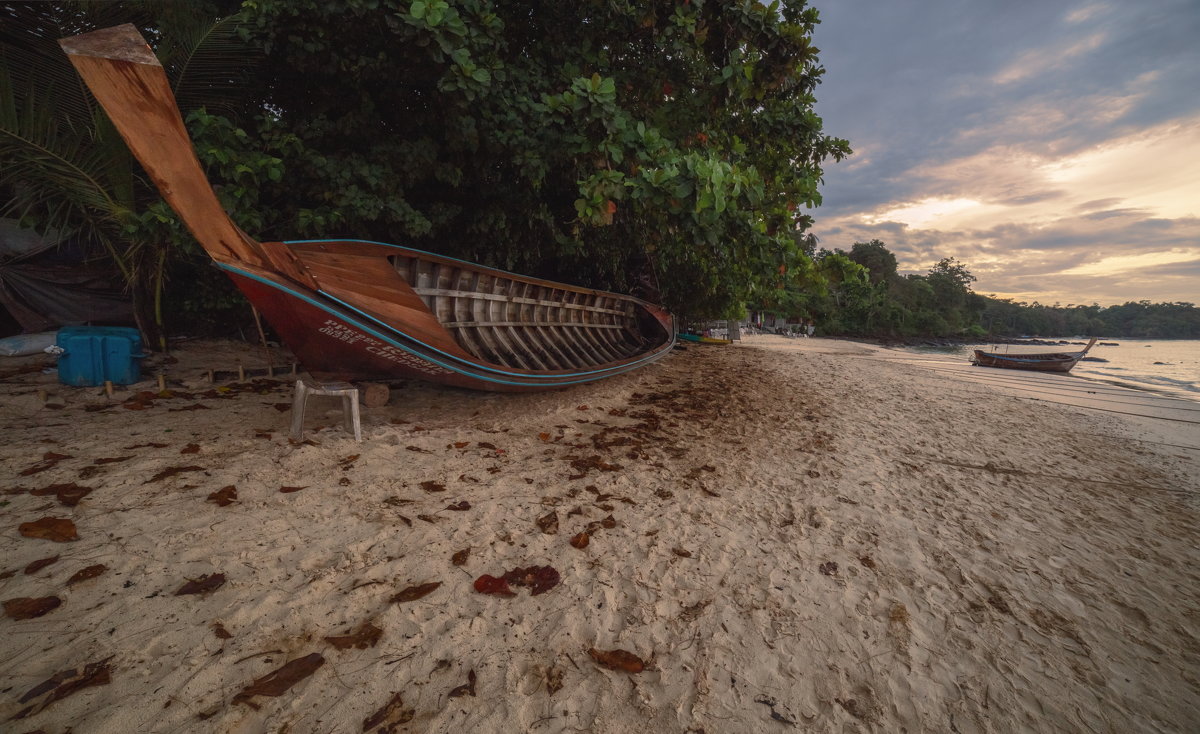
[807, 529]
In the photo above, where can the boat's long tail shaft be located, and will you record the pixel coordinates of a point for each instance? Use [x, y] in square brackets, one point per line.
[130, 84]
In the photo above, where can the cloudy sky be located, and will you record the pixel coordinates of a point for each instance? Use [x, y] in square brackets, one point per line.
[1051, 145]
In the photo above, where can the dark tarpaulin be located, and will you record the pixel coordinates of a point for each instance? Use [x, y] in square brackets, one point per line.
[45, 283]
[42, 297]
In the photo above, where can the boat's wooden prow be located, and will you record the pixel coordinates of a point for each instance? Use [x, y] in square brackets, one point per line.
[129, 82]
[122, 43]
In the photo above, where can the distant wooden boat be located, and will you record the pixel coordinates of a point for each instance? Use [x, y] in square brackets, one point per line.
[697, 339]
[359, 309]
[1039, 362]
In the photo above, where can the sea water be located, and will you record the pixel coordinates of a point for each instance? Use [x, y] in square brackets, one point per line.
[1170, 366]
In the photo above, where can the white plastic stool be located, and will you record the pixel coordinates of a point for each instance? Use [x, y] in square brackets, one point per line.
[307, 386]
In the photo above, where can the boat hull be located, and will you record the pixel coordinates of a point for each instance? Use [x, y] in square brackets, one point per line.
[334, 342]
[1031, 362]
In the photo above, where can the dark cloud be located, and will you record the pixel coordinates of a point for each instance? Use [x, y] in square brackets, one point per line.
[1032, 198]
[1110, 213]
[1189, 269]
[1098, 204]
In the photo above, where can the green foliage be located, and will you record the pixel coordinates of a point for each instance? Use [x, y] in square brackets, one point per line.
[661, 148]
[860, 293]
[613, 144]
[64, 166]
[876, 258]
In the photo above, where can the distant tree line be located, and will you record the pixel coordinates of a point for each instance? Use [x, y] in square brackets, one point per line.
[860, 293]
[1139, 320]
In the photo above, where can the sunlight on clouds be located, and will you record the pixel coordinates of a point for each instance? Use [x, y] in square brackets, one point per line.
[1122, 264]
[1039, 60]
[918, 214]
[1085, 12]
[1153, 174]
[1158, 170]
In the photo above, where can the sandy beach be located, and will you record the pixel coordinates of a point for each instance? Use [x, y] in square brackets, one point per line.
[783, 534]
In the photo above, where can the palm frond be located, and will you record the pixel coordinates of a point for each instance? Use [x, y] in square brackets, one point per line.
[209, 63]
[31, 56]
[58, 177]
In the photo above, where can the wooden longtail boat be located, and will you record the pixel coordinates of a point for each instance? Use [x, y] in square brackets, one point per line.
[697, 339]
[1039, 362]
[354, 309]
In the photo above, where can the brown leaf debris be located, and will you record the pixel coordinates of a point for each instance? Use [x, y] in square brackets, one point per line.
[468, 689]
[58, 529]
[393, 714]
[172, 471]
[366, 635]
[49, 460]
[68, 494]
[25, 607]
[548, 523]
[278, 681]
[554, 680]
[63, 684]
[412, 593]
[84, 574]
[202, 585]
[39, 564]
[224, 496]
[618, 660]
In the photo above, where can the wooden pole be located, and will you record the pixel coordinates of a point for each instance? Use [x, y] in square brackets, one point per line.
[262, 336]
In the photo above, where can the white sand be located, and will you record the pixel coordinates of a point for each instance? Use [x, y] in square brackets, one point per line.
[1001, 565]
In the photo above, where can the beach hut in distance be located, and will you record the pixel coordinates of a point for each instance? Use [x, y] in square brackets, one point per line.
[355, 309]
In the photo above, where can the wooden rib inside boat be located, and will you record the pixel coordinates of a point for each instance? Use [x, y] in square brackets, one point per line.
[359, 309]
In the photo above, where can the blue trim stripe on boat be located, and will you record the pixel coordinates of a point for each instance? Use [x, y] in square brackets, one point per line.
[533, 378]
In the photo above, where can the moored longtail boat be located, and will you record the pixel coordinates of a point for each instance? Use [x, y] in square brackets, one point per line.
[358, 309]
[696, 338]
[1038, 362]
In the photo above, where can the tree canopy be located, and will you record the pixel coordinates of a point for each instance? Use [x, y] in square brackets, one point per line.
[668, 149]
